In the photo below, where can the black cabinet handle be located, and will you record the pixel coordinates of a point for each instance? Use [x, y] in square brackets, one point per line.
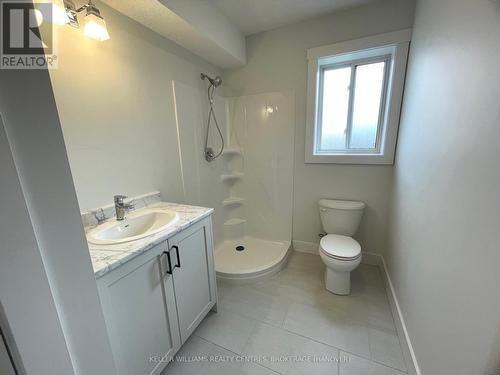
[178, 257]
[169, 261]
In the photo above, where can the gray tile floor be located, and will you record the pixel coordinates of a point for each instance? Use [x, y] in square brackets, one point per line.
[289, 324]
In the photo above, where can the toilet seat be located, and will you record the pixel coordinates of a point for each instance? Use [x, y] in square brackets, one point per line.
[340, 247]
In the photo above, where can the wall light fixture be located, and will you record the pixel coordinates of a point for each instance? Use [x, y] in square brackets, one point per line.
[59, 14]
[94, 26]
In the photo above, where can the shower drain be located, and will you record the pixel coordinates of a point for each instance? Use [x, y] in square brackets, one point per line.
[240, 248]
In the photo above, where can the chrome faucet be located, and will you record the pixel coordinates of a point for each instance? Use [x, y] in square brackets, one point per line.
[121, 207]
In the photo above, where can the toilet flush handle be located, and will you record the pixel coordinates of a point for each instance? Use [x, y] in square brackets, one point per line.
[322, 209]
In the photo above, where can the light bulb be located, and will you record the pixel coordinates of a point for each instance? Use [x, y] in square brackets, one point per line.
[59, 15]
[95, 27]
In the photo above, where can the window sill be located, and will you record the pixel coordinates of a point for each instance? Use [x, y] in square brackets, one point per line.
[351, 159]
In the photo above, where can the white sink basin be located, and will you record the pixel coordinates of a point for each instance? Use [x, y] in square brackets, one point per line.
[137, 224]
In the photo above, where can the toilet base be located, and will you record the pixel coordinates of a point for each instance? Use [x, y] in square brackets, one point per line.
[338, 282]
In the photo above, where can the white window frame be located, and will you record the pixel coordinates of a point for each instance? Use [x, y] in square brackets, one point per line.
[393, 47]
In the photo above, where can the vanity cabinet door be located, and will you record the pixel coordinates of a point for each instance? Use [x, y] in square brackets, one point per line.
[139, 308]
[194, 279]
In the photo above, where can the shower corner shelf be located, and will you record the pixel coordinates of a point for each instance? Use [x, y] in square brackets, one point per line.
[231, 151]
[232, 176]
[232, 201]
[234, 221]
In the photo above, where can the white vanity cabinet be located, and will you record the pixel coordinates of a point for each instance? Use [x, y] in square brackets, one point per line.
[194, 280]
[154, 302]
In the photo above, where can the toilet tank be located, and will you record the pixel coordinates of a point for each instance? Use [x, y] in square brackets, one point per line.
[340, 217]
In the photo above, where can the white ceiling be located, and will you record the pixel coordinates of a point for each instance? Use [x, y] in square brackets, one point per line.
[254, 16]
[196, 25]
[215, 29]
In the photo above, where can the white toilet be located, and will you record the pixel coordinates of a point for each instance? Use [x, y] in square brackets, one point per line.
[339, 251]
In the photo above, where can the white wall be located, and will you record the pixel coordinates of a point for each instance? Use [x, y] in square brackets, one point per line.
[44, 239]
[115, 102]
[444, 253]
[277, 62]
[37, 332]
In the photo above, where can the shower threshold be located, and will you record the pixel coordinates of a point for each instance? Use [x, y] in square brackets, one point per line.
[250, 258]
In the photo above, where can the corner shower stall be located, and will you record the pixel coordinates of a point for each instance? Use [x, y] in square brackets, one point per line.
[250, 184]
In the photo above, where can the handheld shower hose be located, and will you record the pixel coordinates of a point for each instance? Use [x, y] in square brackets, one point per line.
[210, 154]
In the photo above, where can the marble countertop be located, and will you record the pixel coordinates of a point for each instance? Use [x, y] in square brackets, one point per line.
[108, 257]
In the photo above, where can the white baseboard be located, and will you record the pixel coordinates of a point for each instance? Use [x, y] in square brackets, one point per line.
[305, 247]
[404, 338]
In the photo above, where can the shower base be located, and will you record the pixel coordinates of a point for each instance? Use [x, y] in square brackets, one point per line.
[250, 258]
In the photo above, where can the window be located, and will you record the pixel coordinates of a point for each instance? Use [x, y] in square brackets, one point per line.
[354, 99]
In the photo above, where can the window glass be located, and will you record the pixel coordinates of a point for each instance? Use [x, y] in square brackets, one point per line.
[366, 107]
[335, 108]
[350, 120]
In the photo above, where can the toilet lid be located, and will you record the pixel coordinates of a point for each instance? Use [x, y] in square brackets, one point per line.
[338, 246]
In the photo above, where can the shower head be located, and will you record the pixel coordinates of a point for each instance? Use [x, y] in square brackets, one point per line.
[216, 82]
